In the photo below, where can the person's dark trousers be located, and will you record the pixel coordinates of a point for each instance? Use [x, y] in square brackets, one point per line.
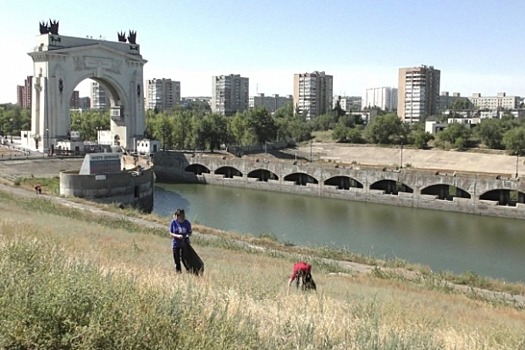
[176, 258]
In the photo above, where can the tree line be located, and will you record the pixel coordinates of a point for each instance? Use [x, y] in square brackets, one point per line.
[198, 128]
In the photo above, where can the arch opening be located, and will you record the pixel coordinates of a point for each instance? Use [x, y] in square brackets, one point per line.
[445, 192]
[343, 182]
[263, 175]
[391, 187]
[504, 197]
[228, 172]
[197, 169]
[301, 179]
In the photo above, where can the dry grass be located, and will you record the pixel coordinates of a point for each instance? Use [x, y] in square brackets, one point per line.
[346, 312]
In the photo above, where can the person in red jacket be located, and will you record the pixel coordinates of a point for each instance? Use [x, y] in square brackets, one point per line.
[302, 273]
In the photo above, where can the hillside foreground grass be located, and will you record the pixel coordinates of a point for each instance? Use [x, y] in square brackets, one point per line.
[80, 276]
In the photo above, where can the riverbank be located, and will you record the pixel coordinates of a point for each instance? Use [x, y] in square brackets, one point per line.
[244, 284]
[340, 261]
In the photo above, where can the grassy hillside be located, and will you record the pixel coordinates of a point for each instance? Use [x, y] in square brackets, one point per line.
[74, 279]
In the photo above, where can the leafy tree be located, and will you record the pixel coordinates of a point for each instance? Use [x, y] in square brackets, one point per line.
[241, 130]
[456, 135]
[384, 129]
[88, 122]
[13, 119]
[262, 124]
[215, 131]
[490, 132]
[420, 138]
[325, 122]
[514, 140]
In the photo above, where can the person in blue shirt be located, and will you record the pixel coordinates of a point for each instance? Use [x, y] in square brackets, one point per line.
[180, 231]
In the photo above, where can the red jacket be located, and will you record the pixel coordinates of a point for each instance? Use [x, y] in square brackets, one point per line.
[300, 266]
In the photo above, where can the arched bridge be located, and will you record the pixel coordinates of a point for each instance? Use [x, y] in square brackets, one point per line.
[474, 193]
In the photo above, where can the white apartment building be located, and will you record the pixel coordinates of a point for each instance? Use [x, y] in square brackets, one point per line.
[500, 101]
[99, 98]
[271, 103]
[418, 93]
[162, 94]
[229, 94]
[383, 97]
[312, 93]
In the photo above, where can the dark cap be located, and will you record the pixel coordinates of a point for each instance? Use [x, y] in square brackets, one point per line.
[179, 212]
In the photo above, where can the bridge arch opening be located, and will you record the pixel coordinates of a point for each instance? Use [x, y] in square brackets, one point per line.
[505, 197]
[301, 179]
[343, 182]
[445, 192]
[197, 169]
[391, 187]
[263, 175]
[228, 172]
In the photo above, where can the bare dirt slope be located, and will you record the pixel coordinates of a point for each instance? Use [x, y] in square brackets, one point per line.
[482, 162]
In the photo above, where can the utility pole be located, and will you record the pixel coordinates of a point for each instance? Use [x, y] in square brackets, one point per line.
[517, 160]
[401, 164]
[311, 144]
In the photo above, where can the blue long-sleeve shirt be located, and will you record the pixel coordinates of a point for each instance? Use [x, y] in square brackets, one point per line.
[181, 228]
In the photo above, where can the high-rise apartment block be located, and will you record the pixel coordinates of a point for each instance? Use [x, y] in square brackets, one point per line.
[493, 103]
[74, 102]
[385, 98]
[418, 93]
[162, 94]
[24, 93]
[229, 94]
[312, 93]
[99, 99]
[85, 103]
[271, 103]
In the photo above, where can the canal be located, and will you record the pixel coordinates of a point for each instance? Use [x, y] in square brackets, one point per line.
[446, 241]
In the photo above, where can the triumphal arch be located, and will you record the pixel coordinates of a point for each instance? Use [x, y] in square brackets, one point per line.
[61, 62]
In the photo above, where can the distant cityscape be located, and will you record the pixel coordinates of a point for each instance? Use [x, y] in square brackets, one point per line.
[416, 98]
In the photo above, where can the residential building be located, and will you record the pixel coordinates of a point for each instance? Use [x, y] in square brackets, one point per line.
[162, 94]
[312, 93]
[74, 102]
[196, 102]
[99, 99]
[446, 101]
[500, 101]
[85, 103]
[24, 93]
[271, 103]
[385, 98]
[229, 94]
[347, 103]
[418, 93]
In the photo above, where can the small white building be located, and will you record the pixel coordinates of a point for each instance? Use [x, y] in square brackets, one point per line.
[147, 146]
[433, 127]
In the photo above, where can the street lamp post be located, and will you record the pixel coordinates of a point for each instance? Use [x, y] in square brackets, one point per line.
[12, 126]
[517, 160]
[47, 142]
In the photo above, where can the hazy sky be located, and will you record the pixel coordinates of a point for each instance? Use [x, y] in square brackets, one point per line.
[477, 45]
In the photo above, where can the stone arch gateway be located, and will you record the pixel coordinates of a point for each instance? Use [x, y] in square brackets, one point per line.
[60, 63]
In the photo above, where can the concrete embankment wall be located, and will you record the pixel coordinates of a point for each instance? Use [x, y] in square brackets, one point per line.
[133, 186]
[171, 167]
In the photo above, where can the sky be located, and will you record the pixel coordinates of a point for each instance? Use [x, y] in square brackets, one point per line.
[477, 45]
